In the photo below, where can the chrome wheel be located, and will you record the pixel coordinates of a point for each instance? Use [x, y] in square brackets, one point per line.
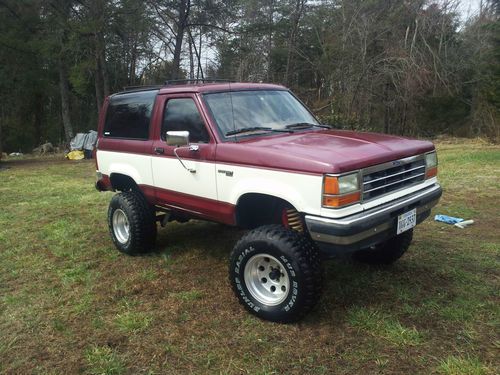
[267, 279]
[121, 226]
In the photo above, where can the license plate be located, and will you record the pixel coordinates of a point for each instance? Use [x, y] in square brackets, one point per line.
[407, 221]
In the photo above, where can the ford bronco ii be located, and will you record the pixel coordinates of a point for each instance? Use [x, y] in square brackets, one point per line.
[253, 156]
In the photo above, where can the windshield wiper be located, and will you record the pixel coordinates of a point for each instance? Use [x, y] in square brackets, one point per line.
[305, 125]
[254, 128]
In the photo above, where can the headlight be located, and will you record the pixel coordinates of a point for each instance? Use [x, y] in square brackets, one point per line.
[431, 160]
[348, 183]
[431, 163]
[341, 190]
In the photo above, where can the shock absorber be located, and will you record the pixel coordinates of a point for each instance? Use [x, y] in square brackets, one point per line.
[291, 219]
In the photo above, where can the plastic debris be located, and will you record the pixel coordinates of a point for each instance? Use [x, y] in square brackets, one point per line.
[448, 219]
[464, 223]
[16, 154]
[75, 155]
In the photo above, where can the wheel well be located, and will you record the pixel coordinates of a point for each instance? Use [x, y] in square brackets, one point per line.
[122, 182]
[254, 210]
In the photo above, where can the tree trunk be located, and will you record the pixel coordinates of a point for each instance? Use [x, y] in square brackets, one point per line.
[191, 59]
[177, 54]
[100, 8]
[1, 141]
[37, 121]
[98, 92]
[63, 16]
[97, 9]
[297, 14]
[198, 56]
[102, 63]
[386, 109]
[98, 78]
[133, 61]
[184, 6]
[270, 39]
[64, 89]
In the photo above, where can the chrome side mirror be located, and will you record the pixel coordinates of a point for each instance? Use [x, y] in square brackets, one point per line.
[177, 138]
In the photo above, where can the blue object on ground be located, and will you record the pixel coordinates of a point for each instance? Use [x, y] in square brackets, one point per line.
[448, 219]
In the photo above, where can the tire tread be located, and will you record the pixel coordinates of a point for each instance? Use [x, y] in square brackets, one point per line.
[141, 219]
[303, 251]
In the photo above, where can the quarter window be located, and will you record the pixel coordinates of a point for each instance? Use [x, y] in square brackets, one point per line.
[182, 114]
[128, 115]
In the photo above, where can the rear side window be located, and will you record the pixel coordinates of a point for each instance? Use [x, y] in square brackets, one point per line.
[128, 115]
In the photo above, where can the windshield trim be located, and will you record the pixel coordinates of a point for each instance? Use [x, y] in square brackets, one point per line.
[241, 137]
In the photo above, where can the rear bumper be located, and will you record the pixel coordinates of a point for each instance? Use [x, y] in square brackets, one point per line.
[372, 226]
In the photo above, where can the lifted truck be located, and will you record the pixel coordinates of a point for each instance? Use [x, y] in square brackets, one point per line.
[253, 156]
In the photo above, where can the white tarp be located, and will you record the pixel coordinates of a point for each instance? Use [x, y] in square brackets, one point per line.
[84, 141]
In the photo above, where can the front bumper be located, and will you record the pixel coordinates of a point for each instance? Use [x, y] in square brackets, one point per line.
[372, 226]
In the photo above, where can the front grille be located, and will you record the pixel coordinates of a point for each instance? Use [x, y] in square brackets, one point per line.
[392, 176]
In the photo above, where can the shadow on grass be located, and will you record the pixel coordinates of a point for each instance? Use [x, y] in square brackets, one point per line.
[406, 287]
[210, 239]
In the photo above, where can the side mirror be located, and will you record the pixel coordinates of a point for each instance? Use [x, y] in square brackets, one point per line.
[177, 138]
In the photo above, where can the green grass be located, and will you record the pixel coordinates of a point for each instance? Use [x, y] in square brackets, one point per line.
[382, 325]
[103, 361]
[132, 322]
[188, 296]
[461, 366]
[71, 303]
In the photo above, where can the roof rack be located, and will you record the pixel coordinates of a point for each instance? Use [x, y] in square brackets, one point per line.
[194, 81]
[142, 87]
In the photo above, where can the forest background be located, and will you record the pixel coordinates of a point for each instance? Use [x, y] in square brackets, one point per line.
[411, 67]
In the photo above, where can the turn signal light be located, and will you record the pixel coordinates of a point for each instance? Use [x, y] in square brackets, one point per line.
[331, 185]
[431, 172]
[341, 190]
[342, 200]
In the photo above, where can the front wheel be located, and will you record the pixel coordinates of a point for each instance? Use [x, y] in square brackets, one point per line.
[276, 273]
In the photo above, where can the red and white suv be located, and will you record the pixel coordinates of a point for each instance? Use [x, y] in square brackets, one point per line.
[253, 156]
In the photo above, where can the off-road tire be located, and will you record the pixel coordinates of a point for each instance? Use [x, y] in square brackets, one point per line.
[141, 220]
[388, 252]
[300, 260]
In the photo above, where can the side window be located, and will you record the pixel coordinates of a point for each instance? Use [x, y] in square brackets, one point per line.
[182, 114]
[128, 115]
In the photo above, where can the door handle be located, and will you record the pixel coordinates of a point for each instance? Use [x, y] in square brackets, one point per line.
[159, 150]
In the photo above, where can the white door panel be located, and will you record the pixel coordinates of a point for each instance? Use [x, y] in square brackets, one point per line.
[169, 174]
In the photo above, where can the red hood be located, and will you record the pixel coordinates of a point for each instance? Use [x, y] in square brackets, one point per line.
[328, 151]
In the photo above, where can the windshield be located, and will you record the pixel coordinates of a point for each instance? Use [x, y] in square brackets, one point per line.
[257, 111]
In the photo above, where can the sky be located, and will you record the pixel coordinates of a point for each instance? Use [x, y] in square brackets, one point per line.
[468, 8]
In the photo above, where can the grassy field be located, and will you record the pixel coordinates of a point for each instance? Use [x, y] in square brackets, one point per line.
[70, 303]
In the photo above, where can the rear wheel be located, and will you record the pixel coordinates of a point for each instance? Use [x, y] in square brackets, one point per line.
[387, 252]
[276, 273]
[131, 223]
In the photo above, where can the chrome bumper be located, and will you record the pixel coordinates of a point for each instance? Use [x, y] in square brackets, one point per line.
[372, 226]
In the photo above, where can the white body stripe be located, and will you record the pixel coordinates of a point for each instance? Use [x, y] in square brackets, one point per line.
[136, 166]
[168, 173]
[303, 191]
